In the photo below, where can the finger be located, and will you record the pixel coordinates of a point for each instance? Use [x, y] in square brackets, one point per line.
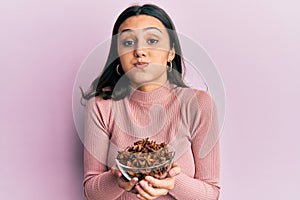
[167, 183]
[128, 185]
[140, 197]
[115, 171]
[175, 170]
[154, 192]
[142, 193]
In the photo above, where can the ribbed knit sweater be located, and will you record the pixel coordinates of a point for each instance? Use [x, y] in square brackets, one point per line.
[183, 117]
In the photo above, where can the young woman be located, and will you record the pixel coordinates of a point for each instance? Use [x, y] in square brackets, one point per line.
[141, 94]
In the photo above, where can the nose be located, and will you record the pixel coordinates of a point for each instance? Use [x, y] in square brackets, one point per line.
[139, 51]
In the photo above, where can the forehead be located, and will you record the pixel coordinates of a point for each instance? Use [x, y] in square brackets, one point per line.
[141, 22]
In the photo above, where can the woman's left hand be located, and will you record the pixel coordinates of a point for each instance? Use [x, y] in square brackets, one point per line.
[152, 188]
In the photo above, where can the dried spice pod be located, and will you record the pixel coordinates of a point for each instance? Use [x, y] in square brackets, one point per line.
[145, 158]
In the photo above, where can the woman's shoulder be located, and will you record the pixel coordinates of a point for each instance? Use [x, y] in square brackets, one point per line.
[98, 103]
[189, 93]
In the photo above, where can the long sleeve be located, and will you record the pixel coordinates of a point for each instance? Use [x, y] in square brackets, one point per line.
[98, 182]
[205, 147]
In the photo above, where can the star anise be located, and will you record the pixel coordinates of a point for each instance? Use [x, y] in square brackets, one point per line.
[144, 154]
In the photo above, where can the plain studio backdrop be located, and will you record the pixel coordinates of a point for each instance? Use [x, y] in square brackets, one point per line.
[253, 44]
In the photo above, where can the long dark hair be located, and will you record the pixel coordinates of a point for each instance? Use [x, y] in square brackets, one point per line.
[106, 85]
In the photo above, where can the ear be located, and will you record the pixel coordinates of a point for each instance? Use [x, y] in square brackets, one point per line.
[171, 55]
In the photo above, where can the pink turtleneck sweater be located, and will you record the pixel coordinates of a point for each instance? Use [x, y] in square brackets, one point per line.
[182, 117]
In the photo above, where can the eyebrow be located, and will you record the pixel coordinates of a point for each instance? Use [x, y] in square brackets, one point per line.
[144, 29]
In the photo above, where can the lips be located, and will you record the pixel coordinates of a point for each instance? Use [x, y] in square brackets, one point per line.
[141, 64]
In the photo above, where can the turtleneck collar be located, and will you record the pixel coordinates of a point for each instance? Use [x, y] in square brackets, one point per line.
[157, 95]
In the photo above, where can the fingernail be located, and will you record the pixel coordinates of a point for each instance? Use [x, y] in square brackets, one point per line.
[142, 183]
[134, 180]
[148, 178]
[137, 187]
[171, 172]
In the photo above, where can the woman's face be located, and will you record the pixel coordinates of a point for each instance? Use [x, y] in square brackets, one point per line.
[144, 50]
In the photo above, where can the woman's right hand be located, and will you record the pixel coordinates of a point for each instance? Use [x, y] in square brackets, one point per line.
[126, 185]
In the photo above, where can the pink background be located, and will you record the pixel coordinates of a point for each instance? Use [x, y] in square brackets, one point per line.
[253, 43]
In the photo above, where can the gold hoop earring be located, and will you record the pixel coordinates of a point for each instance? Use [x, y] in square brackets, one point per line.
[171, 67]
[117, 70]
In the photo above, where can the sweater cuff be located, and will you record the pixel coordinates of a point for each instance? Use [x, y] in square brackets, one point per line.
[104, 186]
[191, 188]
